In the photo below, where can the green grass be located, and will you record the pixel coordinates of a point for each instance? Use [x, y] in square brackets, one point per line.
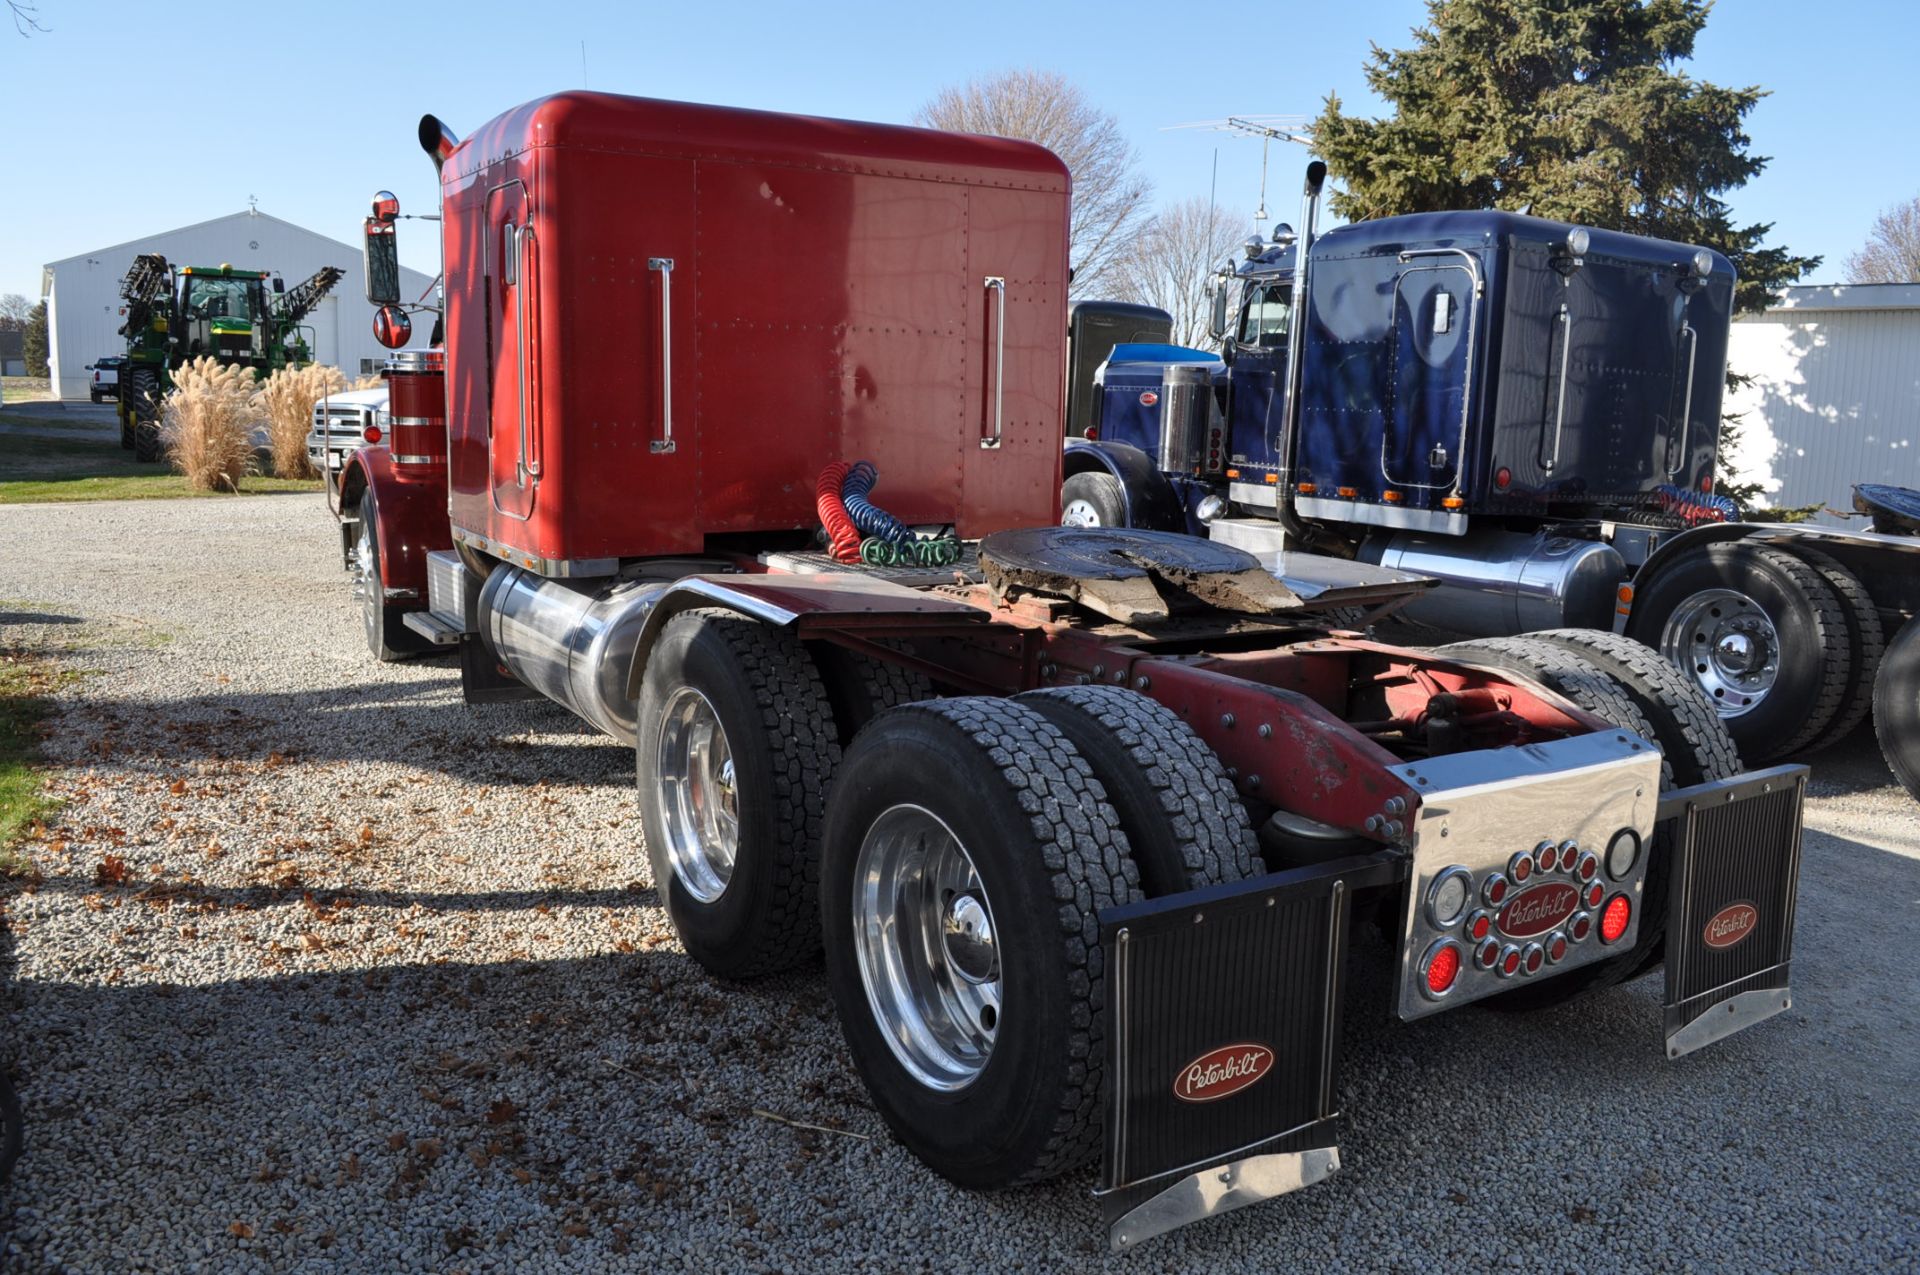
[19, 389]
[24, 684]
[47, 469]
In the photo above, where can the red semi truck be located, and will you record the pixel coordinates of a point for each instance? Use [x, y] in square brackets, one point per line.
[1083, 821]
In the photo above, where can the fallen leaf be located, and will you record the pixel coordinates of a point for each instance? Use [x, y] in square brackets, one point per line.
[240, 1230]
[427, 1149]
[397, 1142]
[313, 941]
[1457, 1197]
[1581, 1213]
[479, 1157]
[522, 1176]
[177, 787]
[501, 1112]
[111, 870]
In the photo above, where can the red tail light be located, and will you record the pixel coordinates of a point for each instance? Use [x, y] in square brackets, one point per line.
[1594, 891]
[1442, 970]
[372, 434]
[1613, 921]
[1579, 926]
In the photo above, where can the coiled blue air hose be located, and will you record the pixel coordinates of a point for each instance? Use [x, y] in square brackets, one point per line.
[869, 517]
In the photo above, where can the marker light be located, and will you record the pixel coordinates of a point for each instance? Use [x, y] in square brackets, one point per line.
[1447, 897]
[372, 434]
[1613, 921]
[1520, 867]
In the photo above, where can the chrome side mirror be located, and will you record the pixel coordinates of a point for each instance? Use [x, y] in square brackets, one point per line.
[383, 251]
[1222, 298]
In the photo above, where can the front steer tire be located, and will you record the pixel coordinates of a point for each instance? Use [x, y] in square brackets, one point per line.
[1097, 499]
[383, 623]
[1036, 825]
[768, 700]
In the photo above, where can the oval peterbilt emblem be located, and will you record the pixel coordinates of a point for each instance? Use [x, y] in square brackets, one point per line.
[1539, 909]
[1223, 1071]
[1148, 398]
[1730, 924]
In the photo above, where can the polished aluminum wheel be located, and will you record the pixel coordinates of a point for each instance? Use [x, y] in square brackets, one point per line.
[1729, 645]
[366, 577]
[697, 796]
[923, 931]
[1079, 513]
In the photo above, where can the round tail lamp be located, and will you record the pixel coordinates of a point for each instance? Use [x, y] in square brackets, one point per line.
[1441, 969]
[1615, 919]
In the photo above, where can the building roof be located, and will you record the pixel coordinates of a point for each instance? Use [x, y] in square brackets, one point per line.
[250, 214]
[1844, 296]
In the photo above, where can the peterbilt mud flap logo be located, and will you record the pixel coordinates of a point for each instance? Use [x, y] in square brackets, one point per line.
[1537, 910]
[1221, 1072]
[1730, 924]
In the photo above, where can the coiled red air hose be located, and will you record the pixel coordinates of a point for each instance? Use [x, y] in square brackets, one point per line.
[843, 538]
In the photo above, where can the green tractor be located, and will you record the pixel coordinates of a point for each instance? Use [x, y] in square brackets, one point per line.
[174, 315]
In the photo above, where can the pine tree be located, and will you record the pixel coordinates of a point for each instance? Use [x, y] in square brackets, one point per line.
[34, 343]
[1575, 110]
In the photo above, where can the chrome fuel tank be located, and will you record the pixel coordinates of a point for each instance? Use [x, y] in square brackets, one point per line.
[1498, 583]
[573, 641]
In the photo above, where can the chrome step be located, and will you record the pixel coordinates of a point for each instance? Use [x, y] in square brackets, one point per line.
[432, 627]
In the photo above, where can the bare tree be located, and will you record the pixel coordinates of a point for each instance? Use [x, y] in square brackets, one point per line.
[26, 16]
[1170, 264]
[15, 310]
[1892, 254]
[1109, 194]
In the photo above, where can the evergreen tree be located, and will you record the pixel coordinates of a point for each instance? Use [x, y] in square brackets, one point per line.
[1575, 110]
[34, 343]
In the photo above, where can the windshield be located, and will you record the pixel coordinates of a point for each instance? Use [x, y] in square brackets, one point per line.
[217, 297]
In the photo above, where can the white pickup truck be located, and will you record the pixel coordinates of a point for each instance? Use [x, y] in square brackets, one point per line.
[105, 382]
[340, 423]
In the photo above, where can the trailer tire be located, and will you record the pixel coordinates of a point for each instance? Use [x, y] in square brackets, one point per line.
[1866, 642]
[388, 637]
[743, 898]
[1185, 824]
[1896, 707]
[1794, 616]
[1093, 499]
[1690, 733]
[1041, 852]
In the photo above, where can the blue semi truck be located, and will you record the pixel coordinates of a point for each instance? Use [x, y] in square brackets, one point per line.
[1526, 411]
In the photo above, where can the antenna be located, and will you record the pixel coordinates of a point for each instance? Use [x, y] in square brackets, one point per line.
[1268, 128]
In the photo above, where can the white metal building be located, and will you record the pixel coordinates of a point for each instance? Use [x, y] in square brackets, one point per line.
[1835, 396]
[83, 292]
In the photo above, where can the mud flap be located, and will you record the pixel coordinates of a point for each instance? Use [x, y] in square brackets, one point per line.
[1223, 1044]
[1734, 853]
[484, 679]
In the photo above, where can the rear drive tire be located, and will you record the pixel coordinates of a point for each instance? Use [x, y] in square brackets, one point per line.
[860, 687]
[735, 747]
[1185, 824]
[969, 848]
[1866, 642]
[1691, 735]
[1896, 707]
[1762, 634]
[1093, 499]
[1578, 678]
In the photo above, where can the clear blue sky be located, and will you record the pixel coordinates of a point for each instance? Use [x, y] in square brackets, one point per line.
[115, 112]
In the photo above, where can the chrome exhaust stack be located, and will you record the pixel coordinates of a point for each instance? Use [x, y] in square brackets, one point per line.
[572, 642]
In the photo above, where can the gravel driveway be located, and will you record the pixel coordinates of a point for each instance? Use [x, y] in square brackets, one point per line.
[329, 971]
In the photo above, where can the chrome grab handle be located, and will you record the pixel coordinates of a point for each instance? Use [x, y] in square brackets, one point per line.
[513, 267]
[1677, 451]
[999, 285]
[1560, 412]
[664, 443]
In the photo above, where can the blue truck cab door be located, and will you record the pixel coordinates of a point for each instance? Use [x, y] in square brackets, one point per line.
[1256, 390]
